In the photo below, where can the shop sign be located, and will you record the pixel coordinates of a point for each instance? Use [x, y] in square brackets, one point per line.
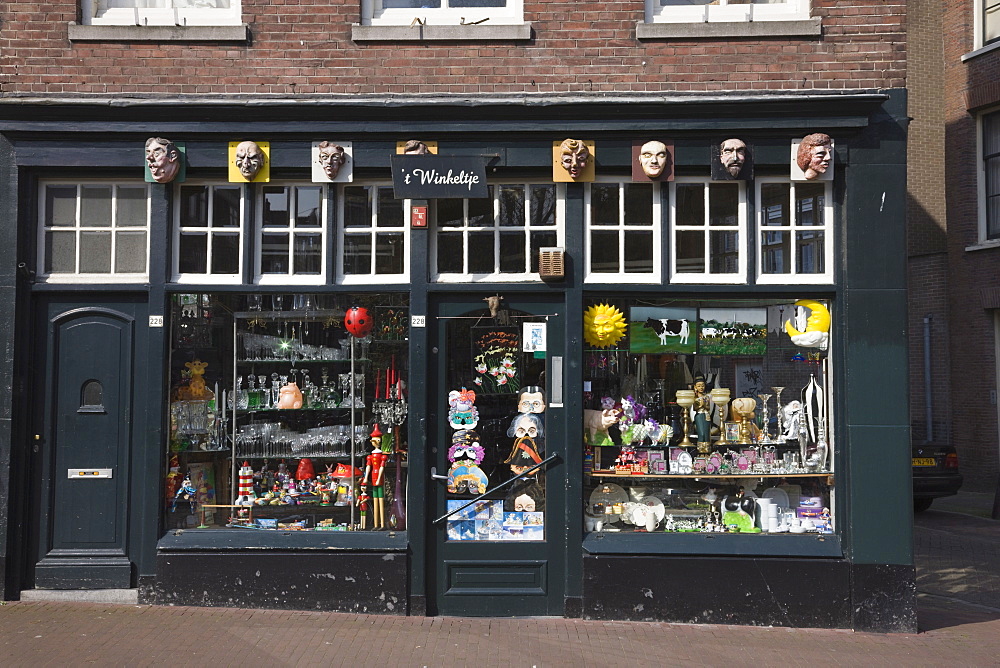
[438, 176]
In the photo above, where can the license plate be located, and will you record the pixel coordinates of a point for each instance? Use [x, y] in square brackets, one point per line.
[924, 461]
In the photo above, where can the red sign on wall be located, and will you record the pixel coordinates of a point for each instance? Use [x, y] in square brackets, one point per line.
[418, 214]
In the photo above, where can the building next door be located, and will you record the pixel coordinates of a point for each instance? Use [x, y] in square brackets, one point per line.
[496, 427]
[83, 430]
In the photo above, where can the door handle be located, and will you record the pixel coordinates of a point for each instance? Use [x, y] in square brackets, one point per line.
[435, 476]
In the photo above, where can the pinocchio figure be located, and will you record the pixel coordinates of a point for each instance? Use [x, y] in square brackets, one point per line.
[375, 472]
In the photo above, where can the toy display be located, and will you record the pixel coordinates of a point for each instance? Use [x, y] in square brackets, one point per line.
[672, 431]
[285, 451]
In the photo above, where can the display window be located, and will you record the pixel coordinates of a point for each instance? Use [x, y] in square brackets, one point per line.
[708, 416]
[287, 412]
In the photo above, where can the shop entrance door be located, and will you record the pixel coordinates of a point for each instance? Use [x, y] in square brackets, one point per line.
[496, 438]
[82, 443]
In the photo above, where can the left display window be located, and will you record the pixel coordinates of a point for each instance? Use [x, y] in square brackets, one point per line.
[287, 412]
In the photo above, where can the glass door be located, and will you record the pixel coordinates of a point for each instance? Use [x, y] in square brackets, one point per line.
[498, 472]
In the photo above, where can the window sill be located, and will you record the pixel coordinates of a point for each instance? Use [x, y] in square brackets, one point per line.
[714, 30]
[81, 33]
[981, 51]
[452, 33]
[985, 244]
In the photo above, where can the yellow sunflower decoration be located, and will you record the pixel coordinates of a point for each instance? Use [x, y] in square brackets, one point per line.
[603, 325]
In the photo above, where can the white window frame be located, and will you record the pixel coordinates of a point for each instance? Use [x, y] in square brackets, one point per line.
[159, 16]
[498, 277]
[77, 276]
[827, 228]
[737, 278]
[374, 14]
[208, 278]
[723, 12]
[984, 230]
[371, 278]
[979, 24]
[291, 229]
[622, 227]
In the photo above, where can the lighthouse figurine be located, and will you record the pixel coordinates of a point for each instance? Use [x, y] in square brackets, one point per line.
[246, 496]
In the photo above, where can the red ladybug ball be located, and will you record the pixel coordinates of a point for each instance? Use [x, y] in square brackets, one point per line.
[358, 322]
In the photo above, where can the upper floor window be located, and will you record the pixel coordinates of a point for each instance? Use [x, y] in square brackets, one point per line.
[702, 11]
[990, 176]
[499, 237]
[208, 233]
[990, 21]
[623, 243]
[374, 236]
[442, 12]
[96, 231]
[162, 12]
[708, 220]
[794, 221]
[291, 236]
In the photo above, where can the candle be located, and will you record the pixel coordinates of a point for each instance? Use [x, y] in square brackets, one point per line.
[387, 374]
[378, 381]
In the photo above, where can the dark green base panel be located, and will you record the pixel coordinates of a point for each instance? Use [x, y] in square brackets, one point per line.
[885, 598]
[84, 573]
[704, 590]
[361, 582]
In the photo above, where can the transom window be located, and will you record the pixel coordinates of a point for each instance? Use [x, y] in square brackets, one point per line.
[161, 12]
[96, 231]
[496, 238]
[374, 234]
[208, 233]
[708, 222]
[291, 238]
[442, 12]
[991, 174]
[794, 222]
[700, 11]
[623, 243]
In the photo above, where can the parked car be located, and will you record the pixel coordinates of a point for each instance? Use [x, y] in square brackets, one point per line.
[935, 474]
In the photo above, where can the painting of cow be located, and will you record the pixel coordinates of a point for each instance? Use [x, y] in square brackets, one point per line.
[663, 329]
[732, 331]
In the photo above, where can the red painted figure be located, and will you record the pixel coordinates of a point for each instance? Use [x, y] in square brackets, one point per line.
[375, 472]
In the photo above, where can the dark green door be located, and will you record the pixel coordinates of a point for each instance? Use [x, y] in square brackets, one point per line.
[83, 439]
[504, 555]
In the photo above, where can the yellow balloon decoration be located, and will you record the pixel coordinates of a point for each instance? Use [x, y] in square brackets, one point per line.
[817, 332]
[603, 325]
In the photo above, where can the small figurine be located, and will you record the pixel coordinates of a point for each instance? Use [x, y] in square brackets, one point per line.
[290, 396]
[187, 492]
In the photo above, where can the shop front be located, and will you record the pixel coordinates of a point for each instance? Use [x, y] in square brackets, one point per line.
[617, 361]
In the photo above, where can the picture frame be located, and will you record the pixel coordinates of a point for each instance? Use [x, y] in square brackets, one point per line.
[732, 431]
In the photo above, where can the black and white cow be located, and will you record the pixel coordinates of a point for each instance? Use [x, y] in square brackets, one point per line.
[664, 327]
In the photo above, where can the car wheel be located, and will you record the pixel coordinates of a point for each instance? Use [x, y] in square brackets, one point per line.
[920, 505]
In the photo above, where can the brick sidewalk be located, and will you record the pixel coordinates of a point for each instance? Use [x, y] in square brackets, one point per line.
[74, 634]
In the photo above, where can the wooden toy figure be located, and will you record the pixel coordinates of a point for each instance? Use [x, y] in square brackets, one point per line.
[375, 472]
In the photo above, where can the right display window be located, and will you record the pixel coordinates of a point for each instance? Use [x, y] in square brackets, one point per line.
[708, 416]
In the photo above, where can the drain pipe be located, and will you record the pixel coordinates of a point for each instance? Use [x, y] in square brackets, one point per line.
[928, 398]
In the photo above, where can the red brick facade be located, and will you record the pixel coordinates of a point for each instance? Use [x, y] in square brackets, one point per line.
[970, 86]
[305, 48]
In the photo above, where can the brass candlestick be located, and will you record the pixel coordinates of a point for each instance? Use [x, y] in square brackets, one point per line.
[685, 399]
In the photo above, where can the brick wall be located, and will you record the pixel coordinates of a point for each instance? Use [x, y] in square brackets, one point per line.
[973, 337]
[304, 47]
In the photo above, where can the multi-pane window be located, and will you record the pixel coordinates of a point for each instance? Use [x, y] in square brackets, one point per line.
[161, 12]
[442, 12]
[708, 223]
[991, 21]
[794, 222]
[622, 239]
[95, 230]
[699, 11]
[374, 235]
[497, 237]
[991, 173]
[208, 234]
[292, 233]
